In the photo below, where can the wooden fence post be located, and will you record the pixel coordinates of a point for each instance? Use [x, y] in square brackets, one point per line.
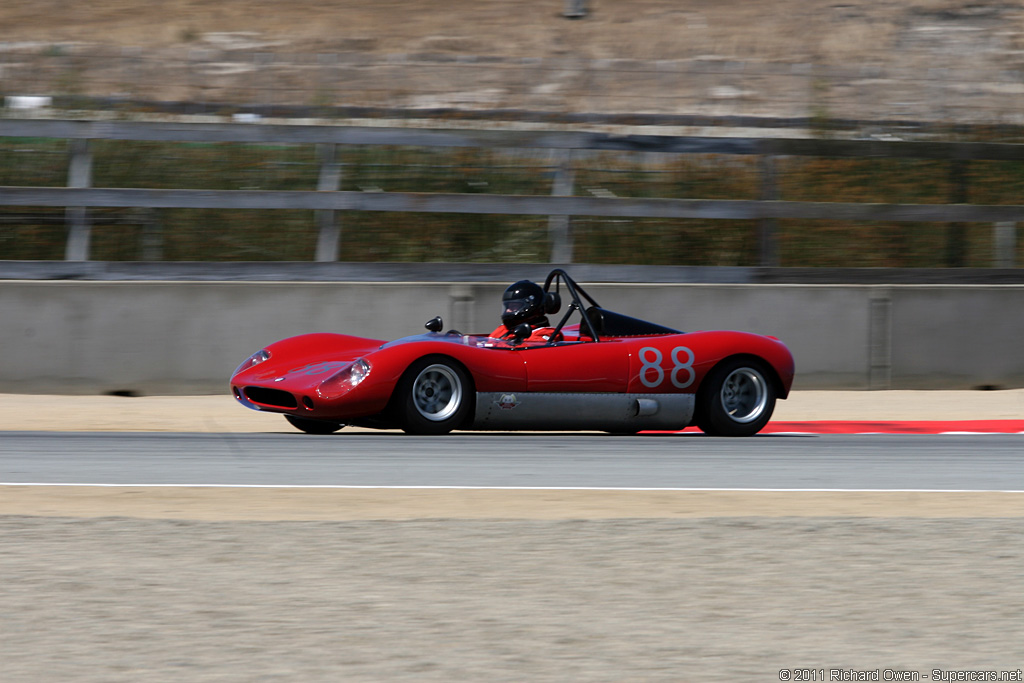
[77, 217]
[575, 9]
[767, 228]
[329, 239]
[956, 240]
[151, 237]
[1005, 241]
[560, 227]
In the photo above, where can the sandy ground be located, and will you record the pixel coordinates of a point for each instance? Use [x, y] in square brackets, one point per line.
[218, 504]
[131, 584]
[31, 412]
[714, 599]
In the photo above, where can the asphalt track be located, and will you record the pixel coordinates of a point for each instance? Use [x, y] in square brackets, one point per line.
[990, 462]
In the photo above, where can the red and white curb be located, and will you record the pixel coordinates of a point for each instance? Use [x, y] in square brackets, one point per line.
[949, 427]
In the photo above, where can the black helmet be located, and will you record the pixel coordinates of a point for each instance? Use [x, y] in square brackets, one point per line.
[522, 302]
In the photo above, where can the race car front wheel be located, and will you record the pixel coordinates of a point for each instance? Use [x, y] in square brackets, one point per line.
[435, 396]
[736, 399]
[313, 426]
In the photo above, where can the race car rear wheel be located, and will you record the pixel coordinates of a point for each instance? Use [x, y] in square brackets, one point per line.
[313, 426]
[736, 399]
[435, 396]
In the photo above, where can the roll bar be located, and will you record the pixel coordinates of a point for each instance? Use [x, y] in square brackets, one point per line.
[559, 277]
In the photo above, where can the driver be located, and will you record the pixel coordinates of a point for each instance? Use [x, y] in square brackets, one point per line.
[523, 302]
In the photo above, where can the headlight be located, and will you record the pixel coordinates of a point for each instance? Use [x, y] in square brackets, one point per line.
[254, 359]
[344, 380]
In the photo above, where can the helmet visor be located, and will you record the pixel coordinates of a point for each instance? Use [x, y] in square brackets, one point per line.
[518, 311]
[514, 307]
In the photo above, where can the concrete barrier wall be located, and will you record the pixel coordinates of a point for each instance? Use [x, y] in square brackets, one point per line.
[151, 337]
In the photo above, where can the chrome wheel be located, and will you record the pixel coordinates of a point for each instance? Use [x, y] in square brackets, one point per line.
[737, 398]
[744, 395]
[437, 392]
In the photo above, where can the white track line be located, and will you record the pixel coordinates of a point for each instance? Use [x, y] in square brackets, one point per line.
[506, 488]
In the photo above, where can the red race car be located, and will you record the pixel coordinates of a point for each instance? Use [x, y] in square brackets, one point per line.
[605, 371]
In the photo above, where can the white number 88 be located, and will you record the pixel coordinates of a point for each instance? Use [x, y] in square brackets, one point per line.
[648, 364]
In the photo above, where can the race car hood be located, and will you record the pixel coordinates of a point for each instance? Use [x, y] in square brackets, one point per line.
[308, 359]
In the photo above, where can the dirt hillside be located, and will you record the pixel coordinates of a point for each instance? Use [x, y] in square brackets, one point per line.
[939, 60]
[927, 33]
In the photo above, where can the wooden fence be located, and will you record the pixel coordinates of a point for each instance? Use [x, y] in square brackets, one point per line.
[326, 200]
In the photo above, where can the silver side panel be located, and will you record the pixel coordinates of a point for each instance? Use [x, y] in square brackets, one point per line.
[603, 412]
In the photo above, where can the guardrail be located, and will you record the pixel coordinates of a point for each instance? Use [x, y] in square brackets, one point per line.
[79, 196]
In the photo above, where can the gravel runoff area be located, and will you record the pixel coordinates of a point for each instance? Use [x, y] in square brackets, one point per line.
[221, 413]
[717, 599]
[131, 584]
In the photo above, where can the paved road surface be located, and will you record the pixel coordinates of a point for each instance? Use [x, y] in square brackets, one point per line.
[990, 462]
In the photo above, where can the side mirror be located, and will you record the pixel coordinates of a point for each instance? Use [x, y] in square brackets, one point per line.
[520, 333]
[435, 324]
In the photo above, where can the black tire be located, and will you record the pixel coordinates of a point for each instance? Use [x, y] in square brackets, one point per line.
[736, 399]
[313, 426]
[434, 396]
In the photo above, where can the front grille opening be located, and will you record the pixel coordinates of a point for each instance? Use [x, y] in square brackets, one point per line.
[271, 397]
